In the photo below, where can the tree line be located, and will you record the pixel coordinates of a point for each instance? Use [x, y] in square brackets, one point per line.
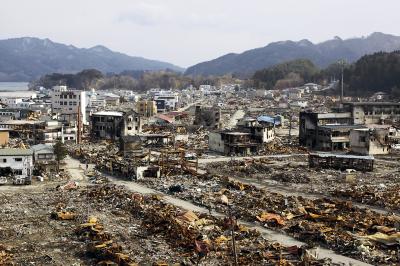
[140, 81]
[370, 74]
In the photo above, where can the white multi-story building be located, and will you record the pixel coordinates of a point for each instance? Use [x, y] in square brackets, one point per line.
[66, 104]
[19, 161]
[170, 99]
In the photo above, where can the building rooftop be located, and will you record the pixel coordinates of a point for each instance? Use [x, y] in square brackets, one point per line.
[373, 103]
[18, 94]
[42, 148]
[109, 113]
[22, 122]
[15, 152]
[340, 126]
[347, 156]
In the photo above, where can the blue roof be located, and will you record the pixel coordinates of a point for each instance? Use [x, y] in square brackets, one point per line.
[269, 119]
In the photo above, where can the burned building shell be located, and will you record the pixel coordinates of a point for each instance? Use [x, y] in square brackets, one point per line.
[113, 125]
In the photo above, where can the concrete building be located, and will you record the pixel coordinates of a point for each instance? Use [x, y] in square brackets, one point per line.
[111, 99]
[262, 133]
[66, 104]
[169, 99]
[146, 108]
[333, 137]
[312, 132]
[16, 162]
[15, 113]
[55, 130]
[370, 141]
[232, 143]
[372, 112]
[319, 131]
[14, 97]
[113, 124]
[207, 116]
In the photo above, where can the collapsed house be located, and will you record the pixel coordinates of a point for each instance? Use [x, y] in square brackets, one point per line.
[114, 124]
[27, 130]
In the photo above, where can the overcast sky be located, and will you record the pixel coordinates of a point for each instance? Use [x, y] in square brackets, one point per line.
[185, 32]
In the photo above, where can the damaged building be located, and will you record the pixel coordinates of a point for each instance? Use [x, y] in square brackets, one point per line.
[115, 124]
[370, 141]
[331, 131]
[233, 143]
[208, 116]
[246, 139]
[341, 161]
[373, 112]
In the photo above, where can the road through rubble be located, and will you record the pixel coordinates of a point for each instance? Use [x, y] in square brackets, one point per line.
[269, 234]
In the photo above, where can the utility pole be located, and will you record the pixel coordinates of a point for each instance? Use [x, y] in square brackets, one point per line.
[233, 223]
[342, 62]
[79, 129]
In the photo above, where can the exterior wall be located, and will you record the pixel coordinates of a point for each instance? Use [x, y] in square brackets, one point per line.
[367, 143]
[4, 137]
[66, 102]
[309, 122]
[266, 134]
[171, 99]
[358, 141]
[132, 125]
[207, 116]
[147, 108]
[18, 163]
[215, 142]
[358, 115]
[114, 127]
[44, 157]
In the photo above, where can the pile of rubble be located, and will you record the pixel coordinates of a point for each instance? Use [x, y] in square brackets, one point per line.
[387, 196]
[332, 223]
[100, 244]
[242, 168]
[278, 147]
[201, 238]
[5, 256]
[289, 177]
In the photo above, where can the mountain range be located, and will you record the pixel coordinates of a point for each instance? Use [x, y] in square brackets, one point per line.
[25, 59]
[321, 54]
